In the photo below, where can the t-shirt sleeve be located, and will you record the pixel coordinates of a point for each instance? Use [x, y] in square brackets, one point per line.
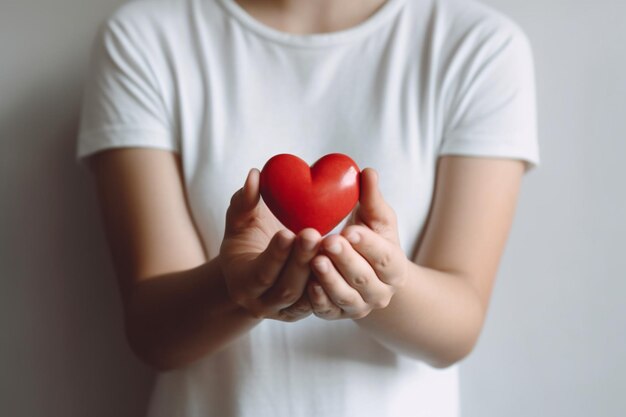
[122, 102]
[492, 107]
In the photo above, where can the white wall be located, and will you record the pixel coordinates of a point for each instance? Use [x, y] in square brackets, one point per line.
[555, 340]
[62, 349]
[553, 344]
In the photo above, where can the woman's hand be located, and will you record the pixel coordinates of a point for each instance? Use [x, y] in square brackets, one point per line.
[362, 268]
[266, 267]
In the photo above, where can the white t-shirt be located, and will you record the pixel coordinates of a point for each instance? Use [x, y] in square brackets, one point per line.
[417, 79]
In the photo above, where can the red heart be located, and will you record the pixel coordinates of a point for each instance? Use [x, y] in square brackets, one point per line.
[318, 197]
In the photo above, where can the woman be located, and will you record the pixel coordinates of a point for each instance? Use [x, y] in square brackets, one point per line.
[242, 318]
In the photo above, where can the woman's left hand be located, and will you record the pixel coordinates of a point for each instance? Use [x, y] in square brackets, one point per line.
[362, 268]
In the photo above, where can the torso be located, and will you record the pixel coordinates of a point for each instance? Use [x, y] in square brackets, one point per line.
[240, 91]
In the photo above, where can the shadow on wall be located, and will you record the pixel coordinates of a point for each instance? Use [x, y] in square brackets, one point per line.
[64, 348]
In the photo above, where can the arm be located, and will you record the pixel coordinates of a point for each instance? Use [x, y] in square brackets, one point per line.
[442, 309]
[171, 294]
[434, 309]
[177, 304]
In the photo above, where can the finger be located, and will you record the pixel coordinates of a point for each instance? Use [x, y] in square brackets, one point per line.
[299, 310]
[292, 280]
[338, 290]
[245, 199]
[373, 210]
[386, 259]
[321, 304]
[268, 264]
[357, 272]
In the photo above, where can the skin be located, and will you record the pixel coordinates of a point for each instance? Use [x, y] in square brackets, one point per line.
[181, 303]
[432, 309]
[310, 16]
[265, 266]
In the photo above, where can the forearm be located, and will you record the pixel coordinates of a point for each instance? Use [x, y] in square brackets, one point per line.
[174, 319]
[436, 317]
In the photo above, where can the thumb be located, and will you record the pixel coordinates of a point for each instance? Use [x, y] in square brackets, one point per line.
[247, 197]
[250, 190]
[373, 209]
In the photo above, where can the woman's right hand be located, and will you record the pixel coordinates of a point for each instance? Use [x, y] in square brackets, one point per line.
[265, 266]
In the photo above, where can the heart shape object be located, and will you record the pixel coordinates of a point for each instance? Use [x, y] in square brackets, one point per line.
[319, 197]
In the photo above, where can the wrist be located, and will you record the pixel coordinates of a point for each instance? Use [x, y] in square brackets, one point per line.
[404, 275]
[216, 274]
[230, 304]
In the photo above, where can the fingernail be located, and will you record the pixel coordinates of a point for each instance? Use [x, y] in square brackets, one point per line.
[321, 266]
[245, 183]
[353, 237]
[317, 289]
[334, 248]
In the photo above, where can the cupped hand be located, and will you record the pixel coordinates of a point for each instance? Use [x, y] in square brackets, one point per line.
[360, 269]
[265, 266]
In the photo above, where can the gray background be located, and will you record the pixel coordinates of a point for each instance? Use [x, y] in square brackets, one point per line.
[554, 341]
